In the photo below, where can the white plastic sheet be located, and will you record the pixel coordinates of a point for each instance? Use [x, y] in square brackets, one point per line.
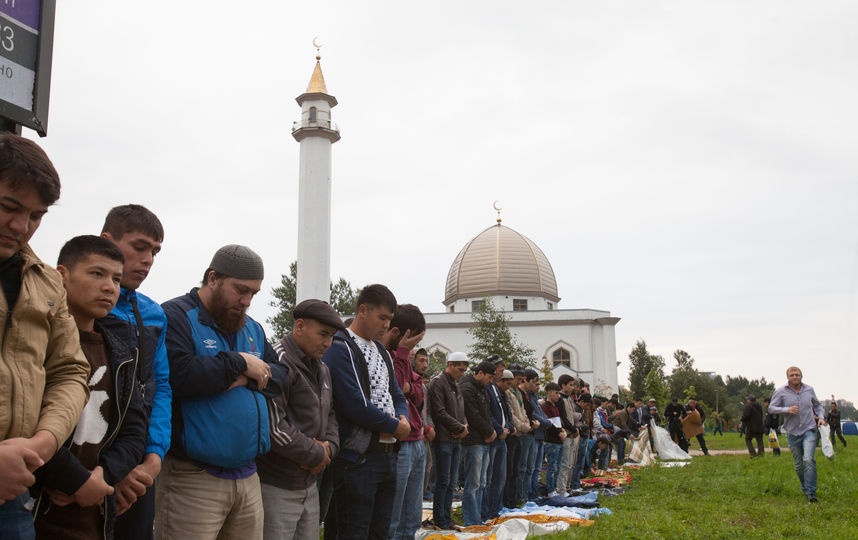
[827, 447]
[664, 445]
[512, 529]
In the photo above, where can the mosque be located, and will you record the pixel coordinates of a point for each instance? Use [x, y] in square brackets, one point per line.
[499, 263]
[507, 267]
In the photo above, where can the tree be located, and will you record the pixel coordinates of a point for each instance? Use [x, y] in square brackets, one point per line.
[656, 388]
[642, 362]
[491, 335]
[547, 374]
[343, 300]
[683, 360]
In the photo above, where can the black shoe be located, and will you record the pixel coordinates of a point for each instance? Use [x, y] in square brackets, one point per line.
[811, 499]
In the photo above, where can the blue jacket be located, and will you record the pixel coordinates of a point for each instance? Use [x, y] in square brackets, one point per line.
[213, 426]
[153, 370]
[358, 419]
[539, 416]
[499, 409]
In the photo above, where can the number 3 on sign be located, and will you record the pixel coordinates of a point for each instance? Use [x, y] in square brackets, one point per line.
[7, 33]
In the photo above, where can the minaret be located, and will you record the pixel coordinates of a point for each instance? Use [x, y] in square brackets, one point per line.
[316, 133]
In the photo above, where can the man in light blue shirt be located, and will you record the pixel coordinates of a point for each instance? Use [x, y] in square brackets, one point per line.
[802, 412]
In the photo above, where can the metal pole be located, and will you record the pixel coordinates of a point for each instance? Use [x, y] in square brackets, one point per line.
[10, 126]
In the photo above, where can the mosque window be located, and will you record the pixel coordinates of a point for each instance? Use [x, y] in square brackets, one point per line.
[550, 306]
[452, 309]
[476, 305]
[519, 304]
[312, 115]
[562, 356]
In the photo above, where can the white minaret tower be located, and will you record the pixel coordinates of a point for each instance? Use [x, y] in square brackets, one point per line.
[316, 133]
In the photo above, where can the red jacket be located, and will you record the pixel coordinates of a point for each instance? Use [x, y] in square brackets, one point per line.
[416, 394]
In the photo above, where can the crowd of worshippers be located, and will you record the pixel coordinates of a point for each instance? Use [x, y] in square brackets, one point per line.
[124, 418]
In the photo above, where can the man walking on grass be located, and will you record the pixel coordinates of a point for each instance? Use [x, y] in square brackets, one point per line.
[798, 403]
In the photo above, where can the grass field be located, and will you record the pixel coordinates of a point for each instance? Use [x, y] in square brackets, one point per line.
[733, 496]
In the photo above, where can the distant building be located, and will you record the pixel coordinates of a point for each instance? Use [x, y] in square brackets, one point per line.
[506, 266]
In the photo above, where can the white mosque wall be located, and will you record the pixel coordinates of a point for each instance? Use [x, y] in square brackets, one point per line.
[588, 336]
[503, 302]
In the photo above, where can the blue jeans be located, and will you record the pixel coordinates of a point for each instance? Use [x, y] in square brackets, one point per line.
[16, 521]
[446, 456]
[363, 496]
[407, 512]
[621, 450]
[525, 465]
[580, 463]
[476, 464]
[537, 468]
[495, 480]
[553, 452]
[803, 447]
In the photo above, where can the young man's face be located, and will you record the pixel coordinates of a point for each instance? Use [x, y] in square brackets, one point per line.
[21, 212]
[552, 395]
[421, 363]
[794, 377]
[376, 319]
[139, 250]
[92, 286]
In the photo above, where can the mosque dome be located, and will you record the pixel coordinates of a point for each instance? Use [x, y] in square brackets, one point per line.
[500, 261]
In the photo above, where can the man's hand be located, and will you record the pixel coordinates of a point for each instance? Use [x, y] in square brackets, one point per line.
[503, 435]
[326, 458]
[793, 409]
[16, 465]
[94, 490]
[492, 437]
[534, 423]
[134, 485]
[562, 435]
[406, 388]
[430, 434]
[242, 380]
[463, 434]
[403, 429]
[257, 370]
[822, 422]
[408, 341]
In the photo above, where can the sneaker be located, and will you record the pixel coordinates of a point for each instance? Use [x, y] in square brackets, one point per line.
[553, 494]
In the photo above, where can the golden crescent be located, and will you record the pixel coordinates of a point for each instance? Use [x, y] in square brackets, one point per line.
[495, 206]
[316, 45]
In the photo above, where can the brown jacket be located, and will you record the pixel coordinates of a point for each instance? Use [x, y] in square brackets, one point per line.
[298, 417]
[43, 372]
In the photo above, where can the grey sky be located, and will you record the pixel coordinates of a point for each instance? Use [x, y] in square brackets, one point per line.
[689, 166]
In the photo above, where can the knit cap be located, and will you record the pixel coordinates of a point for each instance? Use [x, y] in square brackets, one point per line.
[239, 262]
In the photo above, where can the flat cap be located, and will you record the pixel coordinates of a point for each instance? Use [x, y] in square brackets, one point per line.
[239, 262]
[318, 311]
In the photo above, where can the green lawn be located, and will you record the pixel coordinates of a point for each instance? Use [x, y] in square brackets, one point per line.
[732, 441]
[732, 496]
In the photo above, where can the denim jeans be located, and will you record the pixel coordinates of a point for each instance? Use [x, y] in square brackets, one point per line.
[407, 513]
[525, 465]
[495, 480]
[580, 463]
[446, 456]
[539, 452]
[363, 496]
[553, 453]
[802, 448]
[621, 450]
[16, 521]
[476, 462]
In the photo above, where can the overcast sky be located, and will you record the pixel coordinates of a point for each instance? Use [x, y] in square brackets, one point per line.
[689, 166]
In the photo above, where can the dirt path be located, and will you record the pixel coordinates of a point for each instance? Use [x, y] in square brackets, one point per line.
[696, 453]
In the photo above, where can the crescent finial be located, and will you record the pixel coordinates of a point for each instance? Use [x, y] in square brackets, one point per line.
[498, 210]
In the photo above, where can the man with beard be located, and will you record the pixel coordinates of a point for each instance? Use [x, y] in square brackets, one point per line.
[221, 369]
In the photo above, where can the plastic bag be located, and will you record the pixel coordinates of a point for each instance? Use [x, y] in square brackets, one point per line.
[827, 447]
[773, 440]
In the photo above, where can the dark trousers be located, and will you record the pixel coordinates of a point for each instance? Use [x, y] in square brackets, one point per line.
[749, 443]
[363, 497]
[513, 453]
[495, 480]
[446, 455]
[702, 442]
[137, 522]
[836, 429]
